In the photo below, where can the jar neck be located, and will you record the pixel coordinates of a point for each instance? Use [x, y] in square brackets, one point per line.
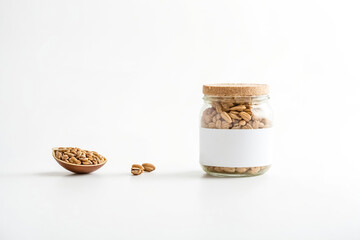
[245, 99]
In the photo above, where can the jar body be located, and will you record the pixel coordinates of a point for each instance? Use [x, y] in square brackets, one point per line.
[236, 136]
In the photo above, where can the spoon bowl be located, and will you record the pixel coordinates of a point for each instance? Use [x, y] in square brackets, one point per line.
[77, 168]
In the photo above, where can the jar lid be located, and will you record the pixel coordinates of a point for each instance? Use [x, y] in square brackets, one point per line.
[235, 89]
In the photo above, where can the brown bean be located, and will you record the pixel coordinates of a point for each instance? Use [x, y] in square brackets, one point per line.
[78, 156]
[148, 167]
[136, 171]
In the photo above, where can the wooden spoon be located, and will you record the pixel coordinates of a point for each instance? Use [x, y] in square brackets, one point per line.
[77, 168]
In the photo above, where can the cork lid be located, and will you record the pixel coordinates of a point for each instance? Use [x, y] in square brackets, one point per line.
[235, 89]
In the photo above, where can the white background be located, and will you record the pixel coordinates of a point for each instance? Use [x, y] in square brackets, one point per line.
[125, 78]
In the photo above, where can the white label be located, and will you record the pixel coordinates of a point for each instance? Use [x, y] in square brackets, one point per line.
[236, 147]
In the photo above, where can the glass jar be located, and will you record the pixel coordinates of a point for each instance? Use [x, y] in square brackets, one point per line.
[236, 130]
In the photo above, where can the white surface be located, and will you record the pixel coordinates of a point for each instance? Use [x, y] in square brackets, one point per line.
[236, 147]
[124, 78]
[181, 204]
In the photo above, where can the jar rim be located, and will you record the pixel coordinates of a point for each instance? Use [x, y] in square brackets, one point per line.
[235, 89]
[249, 99]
